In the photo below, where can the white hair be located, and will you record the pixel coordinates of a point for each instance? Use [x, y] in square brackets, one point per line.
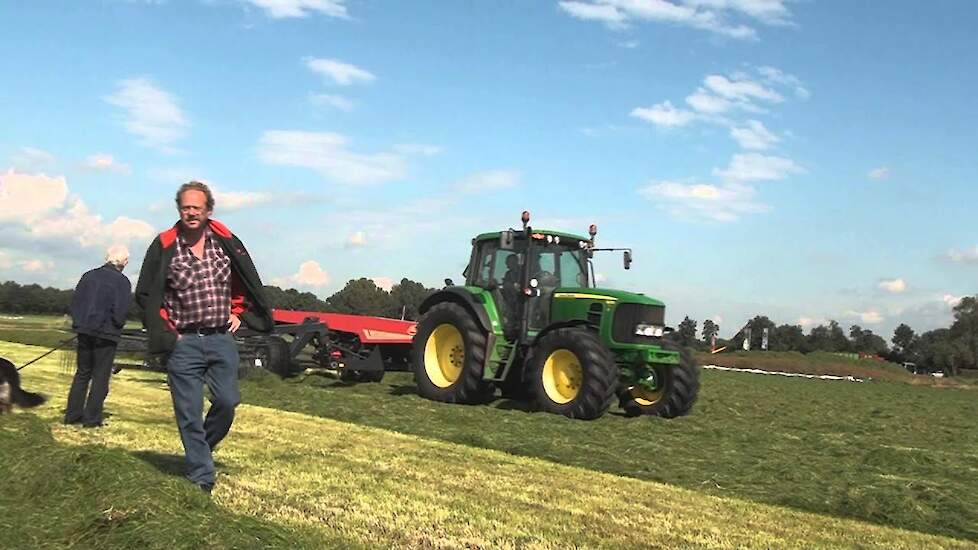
[117, 255]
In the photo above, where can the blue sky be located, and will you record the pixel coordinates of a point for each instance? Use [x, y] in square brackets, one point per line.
[793, 159]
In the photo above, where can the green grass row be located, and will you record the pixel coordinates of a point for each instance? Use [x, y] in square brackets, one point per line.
[303, 481]
[888, 453]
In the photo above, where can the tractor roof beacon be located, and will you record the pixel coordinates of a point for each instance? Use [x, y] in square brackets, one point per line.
[529, 321]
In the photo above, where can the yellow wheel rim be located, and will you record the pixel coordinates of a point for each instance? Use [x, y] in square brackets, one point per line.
[444, 355]
[644, 396]
[562, 376]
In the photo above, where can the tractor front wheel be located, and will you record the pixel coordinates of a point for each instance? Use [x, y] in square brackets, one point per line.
[570, 372]
[675, 388]
[449, 354]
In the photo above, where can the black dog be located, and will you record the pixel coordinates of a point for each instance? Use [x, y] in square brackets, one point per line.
[10, 391]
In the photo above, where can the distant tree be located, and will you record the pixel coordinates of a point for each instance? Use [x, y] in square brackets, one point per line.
[407, 296]
[864, 341]
[788, 338]
[903, 340]
[361, 297]
[686, 332]
[710, 329]
[964, 332]
[829, 338]
[757, 326]
[294, 300]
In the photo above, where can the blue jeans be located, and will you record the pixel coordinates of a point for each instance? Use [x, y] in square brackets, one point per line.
[195, 361]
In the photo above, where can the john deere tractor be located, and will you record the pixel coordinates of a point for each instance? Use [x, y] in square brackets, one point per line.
[529, 322]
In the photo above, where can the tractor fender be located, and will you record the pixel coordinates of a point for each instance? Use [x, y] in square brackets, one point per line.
[462, 297]
[563, 324]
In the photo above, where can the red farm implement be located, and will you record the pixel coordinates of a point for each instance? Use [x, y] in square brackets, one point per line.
[356, 348]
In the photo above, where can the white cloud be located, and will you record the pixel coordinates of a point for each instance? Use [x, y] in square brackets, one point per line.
[664, 114]
[755, 136]
[757, 167]
[870, 317]
[239, 200]
[36, 266]
[705, 102]
[31, 159]
[879, 174]
[383, 283]
[280, 9]
[5, 261]
[332, 100]
[618, 13]
[104, 162]
[600, 278]
[327, 153]
[725, 203]
[25, 198]
[895, 286]
[605, 13]
[810, 322]
[951, 301]
[966, 256]
[310, 274]
[772, 75]
[43, 209]
[339, 72]
[357, 239]
[484, 182]
[629, 44]
[740, 88]
[151, 113]
[419, 149]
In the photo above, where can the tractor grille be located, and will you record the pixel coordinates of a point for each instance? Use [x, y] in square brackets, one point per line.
[629, 315]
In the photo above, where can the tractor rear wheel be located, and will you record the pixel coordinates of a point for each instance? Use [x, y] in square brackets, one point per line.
[449, 355]
[676, 388]
[570, 372]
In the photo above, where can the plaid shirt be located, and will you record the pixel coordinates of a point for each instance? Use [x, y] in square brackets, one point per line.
[198, 291]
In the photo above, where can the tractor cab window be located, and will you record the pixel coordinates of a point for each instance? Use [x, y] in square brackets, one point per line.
[483, 273]
[554, 266]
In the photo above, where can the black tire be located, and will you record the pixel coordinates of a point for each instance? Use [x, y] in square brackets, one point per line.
[449, 352]
[679, 386]
[276, 358]
[570, 372]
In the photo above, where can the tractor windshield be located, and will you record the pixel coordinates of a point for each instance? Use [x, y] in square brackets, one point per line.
[558, 265]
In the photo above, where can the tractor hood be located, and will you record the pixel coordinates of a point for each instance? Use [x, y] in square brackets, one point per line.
[606, 294]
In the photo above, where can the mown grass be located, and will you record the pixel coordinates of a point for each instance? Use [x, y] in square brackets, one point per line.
[328, 483]
[56, 495]
[889, 453]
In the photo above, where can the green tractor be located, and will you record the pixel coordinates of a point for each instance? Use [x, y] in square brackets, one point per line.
[529, 322]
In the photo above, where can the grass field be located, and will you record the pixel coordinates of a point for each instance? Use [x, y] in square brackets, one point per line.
[762, 462]
[319, 482]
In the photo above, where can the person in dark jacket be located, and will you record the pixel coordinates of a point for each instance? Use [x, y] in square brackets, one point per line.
[196, 287]
[98, 313]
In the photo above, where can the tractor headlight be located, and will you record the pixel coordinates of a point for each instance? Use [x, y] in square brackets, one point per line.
[648, 330]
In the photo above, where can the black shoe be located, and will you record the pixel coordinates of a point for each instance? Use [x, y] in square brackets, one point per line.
[205, 487]
[93, 425]
[72, 422]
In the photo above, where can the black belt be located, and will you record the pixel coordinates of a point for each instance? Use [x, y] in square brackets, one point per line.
[204, 331]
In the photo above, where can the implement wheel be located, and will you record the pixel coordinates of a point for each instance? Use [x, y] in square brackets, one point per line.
[570, 372]
[449, 354]
[675, 389]
[275, 356]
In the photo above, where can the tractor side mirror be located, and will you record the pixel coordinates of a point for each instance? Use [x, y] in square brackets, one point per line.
[448, 282]
[627, 259]
[506, 240]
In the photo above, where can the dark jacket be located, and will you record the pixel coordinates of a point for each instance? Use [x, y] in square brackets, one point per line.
[101, 302]
[248, 300]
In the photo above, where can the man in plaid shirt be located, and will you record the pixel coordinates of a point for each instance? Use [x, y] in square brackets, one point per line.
[196, 287]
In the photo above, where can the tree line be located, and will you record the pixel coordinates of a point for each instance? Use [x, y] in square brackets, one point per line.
[357, 297]
[945, 349]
